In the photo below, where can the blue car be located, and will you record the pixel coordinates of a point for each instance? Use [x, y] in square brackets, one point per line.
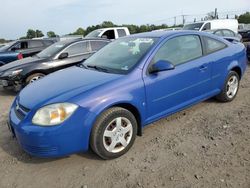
[106, 101]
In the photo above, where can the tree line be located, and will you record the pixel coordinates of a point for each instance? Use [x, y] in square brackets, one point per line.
[31, 33]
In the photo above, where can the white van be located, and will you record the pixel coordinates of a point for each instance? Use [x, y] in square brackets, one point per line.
[231, 24]
[109, 33]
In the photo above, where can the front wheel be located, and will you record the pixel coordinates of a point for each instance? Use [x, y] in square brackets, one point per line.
[113, 133]
[230, 88]
[34, 77]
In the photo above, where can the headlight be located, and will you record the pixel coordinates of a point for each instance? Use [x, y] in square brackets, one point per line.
[53, 114]
[13, 72]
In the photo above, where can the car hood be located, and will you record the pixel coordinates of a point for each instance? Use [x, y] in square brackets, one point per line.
[62, 86]
[21, 63]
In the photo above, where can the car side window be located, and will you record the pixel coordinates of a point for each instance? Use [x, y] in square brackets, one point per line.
[179, 50]
[97, 45]
[207, 26]
[35, 44]
[121, 32]
[218, 33]
[213, 45]
[21, 46]
[110, 34]
[48, 42]
[228, 33]
[77, 49]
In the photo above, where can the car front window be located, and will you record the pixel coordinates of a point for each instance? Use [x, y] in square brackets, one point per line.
[194, 26]
[121, 55]
[6, 46]
[94, 34]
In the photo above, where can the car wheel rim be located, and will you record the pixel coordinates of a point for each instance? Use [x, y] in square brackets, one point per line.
[35, 78]
[117, 135]
[232, 86]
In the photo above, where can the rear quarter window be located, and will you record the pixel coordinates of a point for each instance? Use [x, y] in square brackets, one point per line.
[121, 32]
[35, 44]
[213, 45]
[48, 42]
[97, 45]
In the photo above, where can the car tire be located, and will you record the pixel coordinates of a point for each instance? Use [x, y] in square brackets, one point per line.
[34, 77]
[113, 133]
[230, 88]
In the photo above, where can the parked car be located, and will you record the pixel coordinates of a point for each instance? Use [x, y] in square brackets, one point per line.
[109, 33]
[1, 45]
[24, 48]
[7, 57]
[248, 52]
[226, 34]
[169, 29]
[106, 102]
[56, 57]
[231, 24]
[244, 31]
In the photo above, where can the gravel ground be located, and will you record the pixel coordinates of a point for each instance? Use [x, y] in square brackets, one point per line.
[207, 145]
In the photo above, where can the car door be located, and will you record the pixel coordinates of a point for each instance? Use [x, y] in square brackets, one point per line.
[21, 47]
[77, 52]
[168, 91]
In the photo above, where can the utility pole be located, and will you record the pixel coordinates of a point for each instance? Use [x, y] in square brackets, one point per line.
[175, 21]
[215, 14]
[183, 19]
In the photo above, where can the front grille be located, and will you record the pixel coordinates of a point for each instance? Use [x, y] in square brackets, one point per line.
[21, 111]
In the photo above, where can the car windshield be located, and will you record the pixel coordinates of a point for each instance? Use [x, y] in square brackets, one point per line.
[6, 46]
[94, 34]
[121, 55]
[194, 26]
[52, 50]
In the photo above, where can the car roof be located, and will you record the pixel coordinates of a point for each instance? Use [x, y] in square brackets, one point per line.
[163, 34]
[71, 41]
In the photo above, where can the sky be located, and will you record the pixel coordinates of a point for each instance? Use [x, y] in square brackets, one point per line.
[65, 16]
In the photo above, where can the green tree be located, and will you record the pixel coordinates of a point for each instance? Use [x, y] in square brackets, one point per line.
[39, 33]
[51, 34]
[107, 24]
[34, 34]
[244, 18]
[79, 31]
[31, 34]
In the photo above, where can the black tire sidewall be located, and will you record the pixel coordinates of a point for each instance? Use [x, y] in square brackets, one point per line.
[97, 135]
[231, 73]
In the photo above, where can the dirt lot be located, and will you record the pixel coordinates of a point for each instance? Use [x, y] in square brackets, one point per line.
[207, 145]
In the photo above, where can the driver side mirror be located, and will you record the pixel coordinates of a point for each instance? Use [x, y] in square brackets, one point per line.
[63, 55]
[161, 65]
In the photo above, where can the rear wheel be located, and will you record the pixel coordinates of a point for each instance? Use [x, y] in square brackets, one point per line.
[34, 77]
[113, 133]
[230, 88]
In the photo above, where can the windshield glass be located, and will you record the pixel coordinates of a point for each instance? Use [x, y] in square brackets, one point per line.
[94, 34]
[52, 50]
[6, 46]
[194, 26]
[121, 55]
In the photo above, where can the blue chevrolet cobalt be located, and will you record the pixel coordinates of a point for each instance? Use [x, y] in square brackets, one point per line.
[105, 102]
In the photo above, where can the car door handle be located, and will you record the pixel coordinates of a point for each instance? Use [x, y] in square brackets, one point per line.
[203, 68]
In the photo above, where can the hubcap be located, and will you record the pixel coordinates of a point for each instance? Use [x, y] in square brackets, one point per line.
[232, 86]
[35, 78]
[117, 135]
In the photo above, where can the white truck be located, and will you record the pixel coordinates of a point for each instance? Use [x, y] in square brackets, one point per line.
[231, 24]
[109, 33]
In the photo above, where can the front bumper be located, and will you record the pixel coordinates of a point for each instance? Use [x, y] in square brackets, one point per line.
[72, 136]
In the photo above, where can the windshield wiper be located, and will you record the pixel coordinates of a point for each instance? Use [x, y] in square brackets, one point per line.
[96, 67]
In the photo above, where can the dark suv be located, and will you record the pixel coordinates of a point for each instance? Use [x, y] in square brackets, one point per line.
[10, 51]
[60, 55]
